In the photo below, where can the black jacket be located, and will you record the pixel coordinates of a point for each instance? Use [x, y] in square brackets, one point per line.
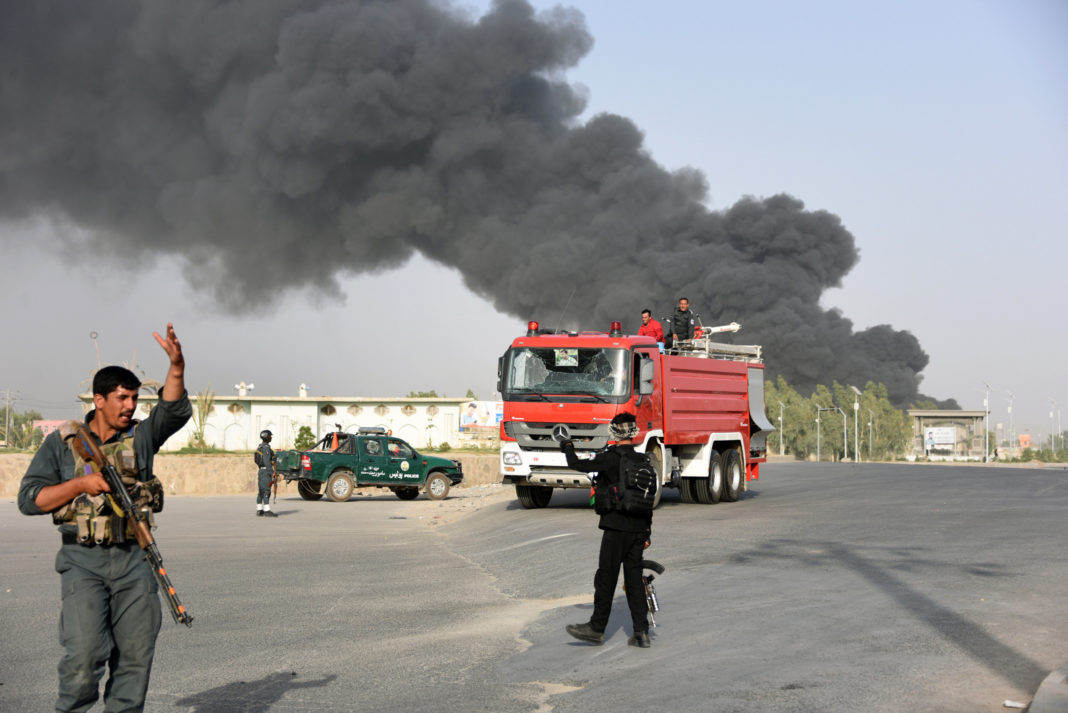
[682, 323]
[606, 465]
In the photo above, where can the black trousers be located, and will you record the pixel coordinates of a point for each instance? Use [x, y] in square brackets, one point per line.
[620, 548]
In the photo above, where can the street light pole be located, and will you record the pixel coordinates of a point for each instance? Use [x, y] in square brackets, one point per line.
[856, 427]
[1052, 433]
[780, 430]
[871, 418]
[986, 424]
[1012, 427]
[819, 410]
[845, 433]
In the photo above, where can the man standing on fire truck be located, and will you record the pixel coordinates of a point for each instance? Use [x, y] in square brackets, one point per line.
[650, 327]
[682, 322]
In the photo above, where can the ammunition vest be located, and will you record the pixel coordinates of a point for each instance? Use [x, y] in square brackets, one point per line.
[96, 521]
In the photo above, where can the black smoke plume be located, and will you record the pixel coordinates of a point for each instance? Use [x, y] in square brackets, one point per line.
[276, 144]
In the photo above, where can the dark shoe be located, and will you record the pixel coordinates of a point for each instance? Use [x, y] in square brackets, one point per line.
[585, 632]
[640, 639]
[259, 513]
[270, 513]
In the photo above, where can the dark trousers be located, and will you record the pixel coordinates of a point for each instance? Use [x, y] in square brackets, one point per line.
[620, 548]
[263, 493]
[109, 621]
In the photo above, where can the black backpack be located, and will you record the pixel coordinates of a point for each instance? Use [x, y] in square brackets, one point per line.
[635, 491]
[638, 480]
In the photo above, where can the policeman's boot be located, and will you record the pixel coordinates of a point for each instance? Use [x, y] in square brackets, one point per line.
[585, 632]
[640, 639]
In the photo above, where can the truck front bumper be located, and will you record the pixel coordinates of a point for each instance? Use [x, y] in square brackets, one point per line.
[543, 468]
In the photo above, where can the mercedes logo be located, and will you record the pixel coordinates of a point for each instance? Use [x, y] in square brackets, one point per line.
[561, 433]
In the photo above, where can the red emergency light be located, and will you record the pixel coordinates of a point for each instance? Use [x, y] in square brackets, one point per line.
[532, 329]
[616, 329]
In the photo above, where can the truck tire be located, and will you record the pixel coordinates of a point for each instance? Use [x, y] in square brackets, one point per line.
[437, 486]
[310, 489]
[339, 487]
[533, 496]
[406, 493]
[686, 490]
[657, 459]
[732, 476]
[708, 490]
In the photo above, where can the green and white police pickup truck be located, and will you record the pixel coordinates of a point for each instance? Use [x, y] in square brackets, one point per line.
[371, 458]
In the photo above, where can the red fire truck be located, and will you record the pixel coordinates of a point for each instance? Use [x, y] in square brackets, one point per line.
[700, 409]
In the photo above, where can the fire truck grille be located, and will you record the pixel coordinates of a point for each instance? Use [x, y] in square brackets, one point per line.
[585, 436]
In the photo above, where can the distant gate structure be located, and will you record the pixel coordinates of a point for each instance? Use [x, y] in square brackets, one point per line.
[948, 435]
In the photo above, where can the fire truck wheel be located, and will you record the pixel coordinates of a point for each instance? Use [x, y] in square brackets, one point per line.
[310, 489]
[532, 496]
[406, 493]
[732, 475]
[686, 490]
[339, 487]
[708, 490]
[657, 459]
[437, 486]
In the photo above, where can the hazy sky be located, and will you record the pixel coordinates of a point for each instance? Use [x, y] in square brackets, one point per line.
[937, 132]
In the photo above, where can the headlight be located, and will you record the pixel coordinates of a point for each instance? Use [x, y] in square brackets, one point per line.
[512, 458]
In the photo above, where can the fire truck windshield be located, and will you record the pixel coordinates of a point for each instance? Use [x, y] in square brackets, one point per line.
[595, 373]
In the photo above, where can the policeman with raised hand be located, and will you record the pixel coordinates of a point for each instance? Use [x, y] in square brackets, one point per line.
[111, 610]
[625, 536]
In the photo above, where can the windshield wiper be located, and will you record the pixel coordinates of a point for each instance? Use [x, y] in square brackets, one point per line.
[590, 393]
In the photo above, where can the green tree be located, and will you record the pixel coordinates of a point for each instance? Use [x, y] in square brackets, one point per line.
[472, 395]
[205, 404]
[23, 434]
[305, 439]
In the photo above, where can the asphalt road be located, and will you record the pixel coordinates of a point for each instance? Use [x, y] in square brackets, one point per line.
[827, 588]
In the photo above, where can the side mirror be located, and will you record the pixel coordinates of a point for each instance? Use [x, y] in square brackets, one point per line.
[500, 374]
[646, 372]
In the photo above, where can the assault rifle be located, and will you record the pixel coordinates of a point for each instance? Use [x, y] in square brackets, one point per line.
[650, 592]
[85, 446]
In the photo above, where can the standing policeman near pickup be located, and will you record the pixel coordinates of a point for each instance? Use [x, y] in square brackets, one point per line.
[625, 537]
[265, 476]
[111, 610]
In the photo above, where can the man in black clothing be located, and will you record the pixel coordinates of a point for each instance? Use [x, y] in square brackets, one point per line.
[625, 537]
[682, 322]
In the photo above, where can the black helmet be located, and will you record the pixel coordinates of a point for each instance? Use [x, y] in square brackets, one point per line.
[265, 435]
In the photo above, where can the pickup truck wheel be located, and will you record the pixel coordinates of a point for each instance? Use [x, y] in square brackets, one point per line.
[533, 497]
[732, 476]
[310, 490]
[437, 486]
[406, 493]
[708, 490]
[339, 487]
[657, 459]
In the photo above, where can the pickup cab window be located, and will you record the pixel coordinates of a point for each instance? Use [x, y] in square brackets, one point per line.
[400, 449]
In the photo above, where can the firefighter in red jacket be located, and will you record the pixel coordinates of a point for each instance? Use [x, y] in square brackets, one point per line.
[650, 327]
